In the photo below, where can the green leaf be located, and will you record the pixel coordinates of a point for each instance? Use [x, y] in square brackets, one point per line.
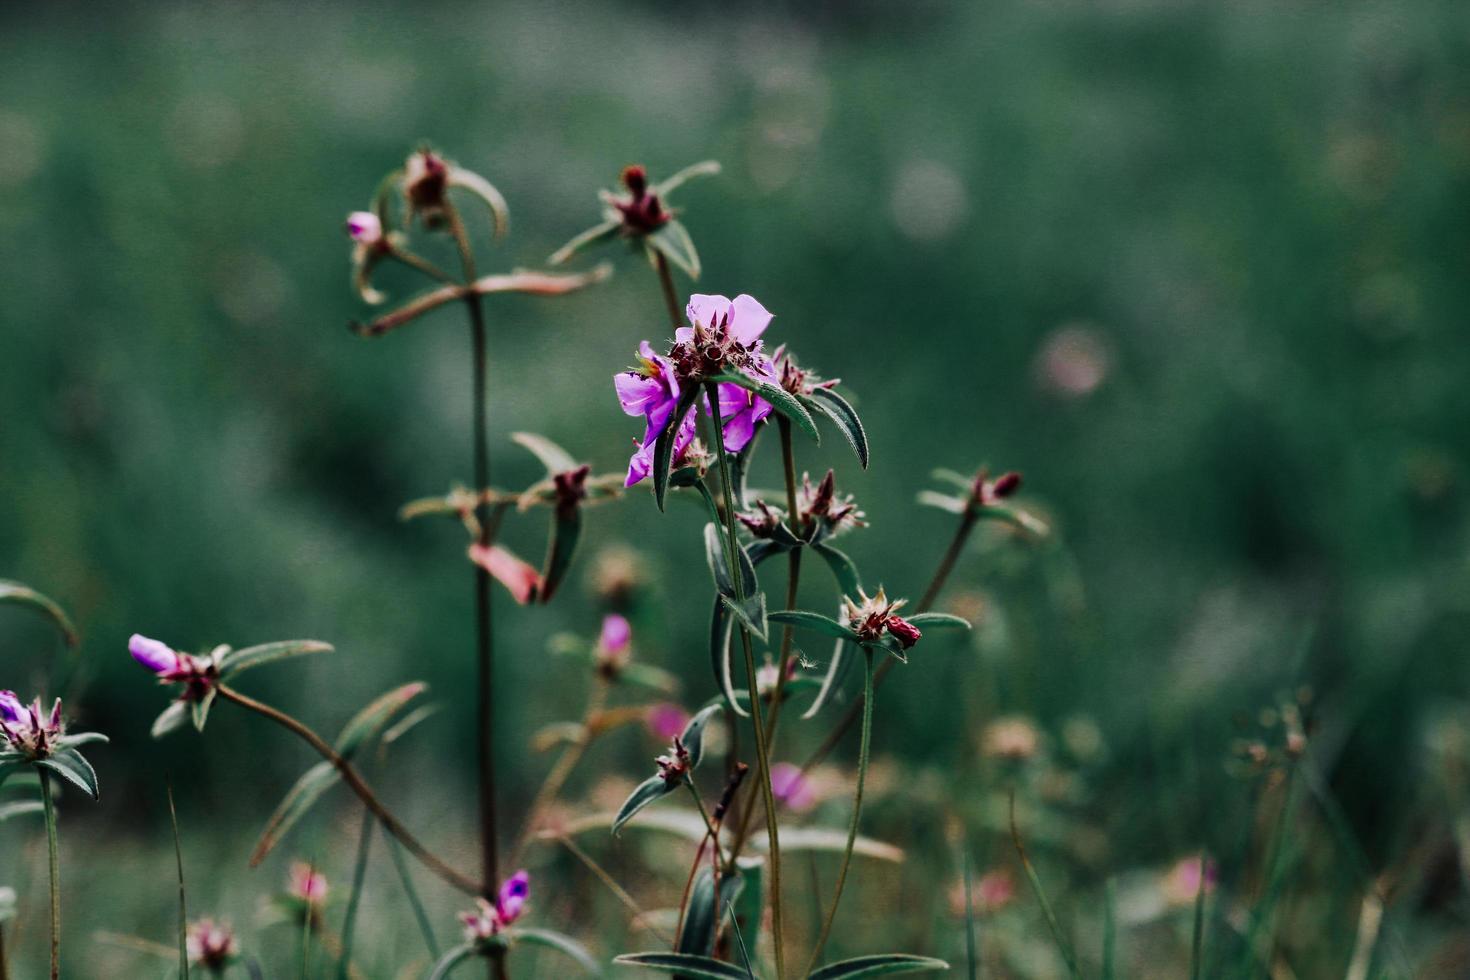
[199, 710]
[882, 964]
[299, 799]
[700, 967]
[450, 960]
[173, 717]
[672, 241]
[20, 809]
[751, 611]
[663, 447]
[693, 737]
[956, 479]
[750, 903]
[375, 716]
[27, 596]
[250, 657]
[652, 788]
[781, 399]
[715, 556]
[721, 629]
[938, 621]
[566, 528]
[842, 568]
[815, 622]
[553, 457]
[953, 505]
[705, 168]
[604, 232]
[837, 408]
[71, 766]
[81, 738]
[830, 680]
[565, 945]
[707, 901]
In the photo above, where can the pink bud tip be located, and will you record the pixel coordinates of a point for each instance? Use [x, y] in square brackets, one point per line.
[157, 657]
[364, 227]
[616, 633]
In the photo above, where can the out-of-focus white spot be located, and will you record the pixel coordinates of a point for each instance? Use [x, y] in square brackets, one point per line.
[1073, 361]
[929, 201]
[252, 288]
[21, 148]
[206, 131]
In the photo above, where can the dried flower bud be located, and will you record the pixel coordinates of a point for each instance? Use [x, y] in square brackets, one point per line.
[905, 632]
[635, 178]
[674, 767]
[425, 184]
[1006, 484]
[875, 616]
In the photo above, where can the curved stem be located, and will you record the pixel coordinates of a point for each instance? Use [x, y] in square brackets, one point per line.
[931, 596]
[364, 792]
[757, 722]
[857, 807]
[415, 261]
[53, 865]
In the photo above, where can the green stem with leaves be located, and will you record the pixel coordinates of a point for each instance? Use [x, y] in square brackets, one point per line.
[54, 867]
[857, 808]
[757, 721]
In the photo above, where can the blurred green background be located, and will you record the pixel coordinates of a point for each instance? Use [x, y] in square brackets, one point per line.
[1198, 271]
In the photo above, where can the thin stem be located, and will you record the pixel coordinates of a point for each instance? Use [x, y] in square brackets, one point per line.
[793, 572]
[640, 917]
[53, 866]
[857, 808]
[485, 683]
[1196, 948]
[560, 772]
[757, 722]
[183, 927]
[364, 792]
[395, 850]
[415, 261]
[359, 874]
[671, 297]
[931, 596]
[4, 966]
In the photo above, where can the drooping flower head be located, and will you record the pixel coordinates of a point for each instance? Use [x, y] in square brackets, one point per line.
[877, 615]
[212, 945]
[199, 675]
[306, 884]
[29, 728]
[487, 919]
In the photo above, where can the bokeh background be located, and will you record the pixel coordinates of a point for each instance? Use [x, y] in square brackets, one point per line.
[1198, 271]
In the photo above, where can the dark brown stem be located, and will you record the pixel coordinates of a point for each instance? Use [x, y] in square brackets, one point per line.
[364, 792]
[671, 297]
[931, 596]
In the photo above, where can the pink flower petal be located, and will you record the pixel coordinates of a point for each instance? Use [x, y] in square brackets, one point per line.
[523, 581]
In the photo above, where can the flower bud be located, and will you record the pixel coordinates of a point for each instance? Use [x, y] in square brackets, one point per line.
[1006, 484]
[156, 656]
[635, 178]
[306, 884]
[905, 632]
[364, 228]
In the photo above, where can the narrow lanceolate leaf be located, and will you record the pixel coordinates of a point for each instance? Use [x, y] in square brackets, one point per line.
[565, 945]
[566, 528]
[251, 657]
[815, 622]
[25, 595]
[721, 630]
[883, 964]
[663, 447]
[199, 710]
[953, 505]
[299, 799]
[71, 766]
[174, 717]
[705, 168]
[687, 965]
[693, 737]
[830, 681]
[81, 738]
[1016, 517]
[841, 412]
[748, 905]
[672, 241]
[751, 611]
[652, 788]
[938, 621]
[781, 400]
[375, 716]
[604, 232]
[553, 457]
[20, 809]
[715, 556]
[450, 960]
[707, 902]
[842, 568]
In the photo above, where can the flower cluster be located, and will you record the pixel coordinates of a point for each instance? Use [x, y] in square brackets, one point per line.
[877, 615]
[199, 675]
[672, 768]
[29, 728]
[487, 920]
[724, 335]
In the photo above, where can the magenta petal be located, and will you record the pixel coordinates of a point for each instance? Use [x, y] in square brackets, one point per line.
[512, 897]
[10, 707]
[739, 430]
[156, 656]
[706, 309]
[640, 464]
[616, 633]
[748, 319]
[636, 393]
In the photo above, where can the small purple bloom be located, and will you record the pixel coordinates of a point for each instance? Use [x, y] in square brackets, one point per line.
[741, 410]
[364, 228]
[616, 633]
[512, 898]
[641, 462]
[11, 709]
[30, 728]
[665, 720]
[743, 317]
[791, 787]
[156, 656]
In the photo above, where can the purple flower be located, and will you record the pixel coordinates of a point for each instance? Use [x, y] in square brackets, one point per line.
[742, 319]
[364, 228]
[306, 884]
[650, 390]
[487, 920]
[665, 720]
[641, 462]
[616, 633]
[741, 410]
[211, 944]
[30, 729]
[157, 656]
[11, 710]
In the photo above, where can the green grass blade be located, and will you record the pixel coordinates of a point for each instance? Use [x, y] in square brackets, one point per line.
[173, 817]
[1064, 947]
[359, 873]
